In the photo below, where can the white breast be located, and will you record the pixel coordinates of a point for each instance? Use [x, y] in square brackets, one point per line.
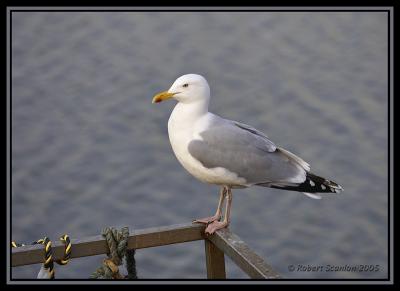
[181, 131]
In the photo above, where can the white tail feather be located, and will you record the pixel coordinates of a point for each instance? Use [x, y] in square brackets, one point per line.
[313, 196]
[296, 159]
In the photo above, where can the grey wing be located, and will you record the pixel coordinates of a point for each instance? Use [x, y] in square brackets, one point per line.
[247, 152]
[253, 130]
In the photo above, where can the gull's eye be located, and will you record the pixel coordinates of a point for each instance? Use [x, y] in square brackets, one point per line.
[185, 85]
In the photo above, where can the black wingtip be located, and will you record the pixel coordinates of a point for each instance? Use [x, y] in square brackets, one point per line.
[313, 184]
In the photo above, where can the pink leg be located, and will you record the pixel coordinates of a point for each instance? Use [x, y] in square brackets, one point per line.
[215, 225]
[218, 214]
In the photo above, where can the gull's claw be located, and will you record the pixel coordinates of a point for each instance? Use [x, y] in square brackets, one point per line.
[207, 220]
[214, 226]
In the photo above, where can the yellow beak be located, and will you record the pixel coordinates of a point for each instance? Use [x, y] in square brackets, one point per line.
[162, 96]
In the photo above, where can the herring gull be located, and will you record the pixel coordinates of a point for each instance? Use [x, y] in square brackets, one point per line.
[229, 153]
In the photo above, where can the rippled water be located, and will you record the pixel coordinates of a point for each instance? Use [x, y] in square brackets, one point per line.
[89, 149]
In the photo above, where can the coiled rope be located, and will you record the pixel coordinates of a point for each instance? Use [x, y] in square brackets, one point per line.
[48, 264]
[67, 250]
[117, 242]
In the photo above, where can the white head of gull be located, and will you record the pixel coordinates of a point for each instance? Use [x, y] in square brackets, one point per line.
[230, 154]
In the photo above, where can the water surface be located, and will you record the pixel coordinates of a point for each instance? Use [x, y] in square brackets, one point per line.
[89, 150]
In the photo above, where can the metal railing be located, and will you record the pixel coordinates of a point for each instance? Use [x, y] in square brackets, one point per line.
[222, 243]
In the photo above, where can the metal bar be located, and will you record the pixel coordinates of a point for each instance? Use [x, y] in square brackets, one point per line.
[240, 253]
[96, 245]
[215, 261]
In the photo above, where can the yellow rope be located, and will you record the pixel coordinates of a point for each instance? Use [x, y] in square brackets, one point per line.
[117, 242]
[67, 250]
[48, 257]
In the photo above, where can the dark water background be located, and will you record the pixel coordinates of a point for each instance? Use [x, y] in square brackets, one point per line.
[89, 149]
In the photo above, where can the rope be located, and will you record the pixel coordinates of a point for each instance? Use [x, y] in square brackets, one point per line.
[117, 242]
[48, 264]
[16, 245]
[67, 250]
[130, 264]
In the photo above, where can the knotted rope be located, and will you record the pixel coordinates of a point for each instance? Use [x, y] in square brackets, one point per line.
[130, 264]
[117, 242]
[48, 265]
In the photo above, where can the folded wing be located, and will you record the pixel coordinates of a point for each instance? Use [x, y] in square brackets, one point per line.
[249, 153]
